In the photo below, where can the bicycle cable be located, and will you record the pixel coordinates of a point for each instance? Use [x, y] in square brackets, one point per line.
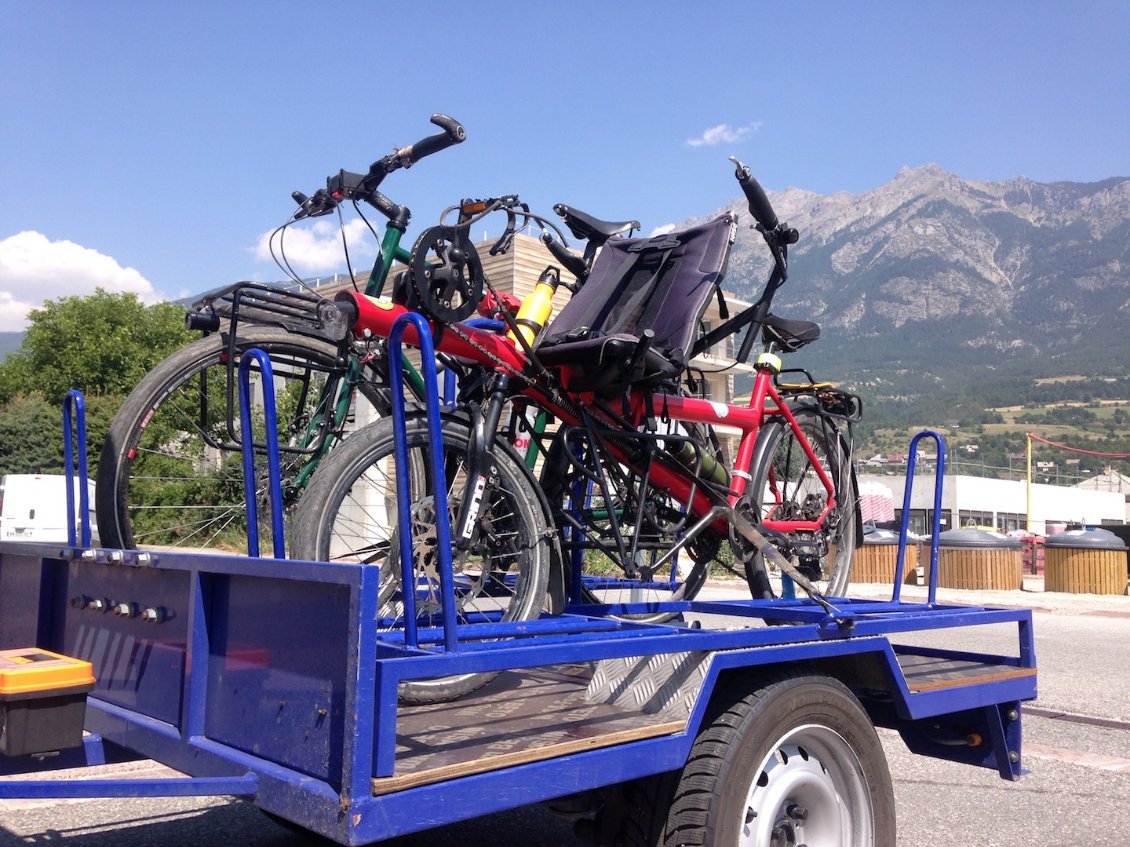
[280, 258]
[345, 244]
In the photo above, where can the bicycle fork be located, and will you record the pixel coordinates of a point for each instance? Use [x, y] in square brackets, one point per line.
[484, 429]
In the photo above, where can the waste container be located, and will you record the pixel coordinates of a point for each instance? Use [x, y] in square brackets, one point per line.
[979, 559]
[876, 559]
[1085, 561]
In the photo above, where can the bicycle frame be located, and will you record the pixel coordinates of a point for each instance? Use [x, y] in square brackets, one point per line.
[766, 403]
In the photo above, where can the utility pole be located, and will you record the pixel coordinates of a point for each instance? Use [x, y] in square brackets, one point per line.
[1028, 485]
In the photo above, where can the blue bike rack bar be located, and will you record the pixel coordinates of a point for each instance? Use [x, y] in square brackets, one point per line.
[904, 524]
[74, 429]
[247, 436]
[437, 476]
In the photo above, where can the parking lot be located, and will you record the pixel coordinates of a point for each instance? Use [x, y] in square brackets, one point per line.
[1076, 747]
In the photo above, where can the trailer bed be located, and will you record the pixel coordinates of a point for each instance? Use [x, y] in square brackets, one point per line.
[270, 679]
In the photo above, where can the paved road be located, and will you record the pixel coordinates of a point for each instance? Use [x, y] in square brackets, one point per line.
[1076, 743]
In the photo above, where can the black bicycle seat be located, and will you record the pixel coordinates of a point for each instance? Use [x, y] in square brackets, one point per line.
[791, 335]
[585, 226]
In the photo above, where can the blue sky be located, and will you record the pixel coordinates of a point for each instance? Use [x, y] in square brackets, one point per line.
[149, 146]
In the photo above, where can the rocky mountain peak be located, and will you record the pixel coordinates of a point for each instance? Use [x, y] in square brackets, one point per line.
[936, 272]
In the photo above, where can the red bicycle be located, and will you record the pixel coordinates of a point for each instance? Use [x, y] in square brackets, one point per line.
[637, 489]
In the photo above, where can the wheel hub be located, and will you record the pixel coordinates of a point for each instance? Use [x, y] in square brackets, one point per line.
[425, 552]
[794, 801]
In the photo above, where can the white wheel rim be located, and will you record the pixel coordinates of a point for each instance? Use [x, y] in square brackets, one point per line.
[810, 789]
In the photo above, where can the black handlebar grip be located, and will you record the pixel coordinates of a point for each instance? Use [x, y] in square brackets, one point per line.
[453, 133]
[573, 264]
[759, 205]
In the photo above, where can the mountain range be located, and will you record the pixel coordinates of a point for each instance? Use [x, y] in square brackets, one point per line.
[932, 281]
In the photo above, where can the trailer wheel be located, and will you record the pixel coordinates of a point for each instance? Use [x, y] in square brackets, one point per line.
[796, 761]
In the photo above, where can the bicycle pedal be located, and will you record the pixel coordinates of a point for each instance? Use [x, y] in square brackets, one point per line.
[810, 568]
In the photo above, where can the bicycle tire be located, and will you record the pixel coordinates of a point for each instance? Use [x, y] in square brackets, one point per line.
[784, 485]
[349, 514]
[156, 452]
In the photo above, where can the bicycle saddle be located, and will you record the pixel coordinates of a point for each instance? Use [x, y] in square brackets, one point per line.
[585, 226]
[789, 335]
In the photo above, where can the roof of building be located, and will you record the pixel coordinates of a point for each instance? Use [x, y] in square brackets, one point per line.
[1108, 480]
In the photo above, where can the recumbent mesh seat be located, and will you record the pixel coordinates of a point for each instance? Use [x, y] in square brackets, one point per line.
[662, 284]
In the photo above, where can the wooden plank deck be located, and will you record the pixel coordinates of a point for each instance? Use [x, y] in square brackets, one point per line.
[931, 673]
[520, 717]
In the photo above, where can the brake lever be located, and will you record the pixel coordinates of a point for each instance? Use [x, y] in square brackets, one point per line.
[303, 202]
[321, 203]
[510, 202]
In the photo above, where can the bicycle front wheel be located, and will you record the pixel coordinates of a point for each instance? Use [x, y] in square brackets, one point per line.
[349, 514]
[170, 472]
[785, 486]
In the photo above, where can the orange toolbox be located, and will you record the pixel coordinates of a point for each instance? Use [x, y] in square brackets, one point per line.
[42, 701]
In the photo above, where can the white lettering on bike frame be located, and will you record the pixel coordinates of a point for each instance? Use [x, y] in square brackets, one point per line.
[476, 500]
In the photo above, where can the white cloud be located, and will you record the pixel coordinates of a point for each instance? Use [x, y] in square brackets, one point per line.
[662, 230]
[34, 269]
[317, 248]
[723, 134]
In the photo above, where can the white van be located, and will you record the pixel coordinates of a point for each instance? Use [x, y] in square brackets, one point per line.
[33, 507]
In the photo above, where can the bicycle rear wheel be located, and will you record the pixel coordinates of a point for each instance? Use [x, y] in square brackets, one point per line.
[785, 486]
[349, 514]
[599, 530]
[170, 472]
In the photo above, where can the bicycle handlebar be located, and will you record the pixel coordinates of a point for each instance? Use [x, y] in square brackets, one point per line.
[345, 185]
[759, 205]
[453, 133]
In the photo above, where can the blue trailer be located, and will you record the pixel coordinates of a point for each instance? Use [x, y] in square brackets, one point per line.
[747, 722]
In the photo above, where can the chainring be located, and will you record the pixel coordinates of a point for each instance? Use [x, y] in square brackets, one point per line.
[446, 274]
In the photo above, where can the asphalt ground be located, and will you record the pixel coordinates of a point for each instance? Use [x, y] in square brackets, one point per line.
[1076, 750]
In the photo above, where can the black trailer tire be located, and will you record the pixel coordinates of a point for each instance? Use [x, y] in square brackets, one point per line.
[796, 761]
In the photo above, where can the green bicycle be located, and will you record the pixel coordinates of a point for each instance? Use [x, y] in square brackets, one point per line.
[170, 473]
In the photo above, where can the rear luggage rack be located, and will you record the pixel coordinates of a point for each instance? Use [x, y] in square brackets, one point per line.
[833, 401]
[259, 303]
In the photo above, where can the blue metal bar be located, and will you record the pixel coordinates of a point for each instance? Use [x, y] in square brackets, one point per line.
[801, 638]
[488, 324]
[449, 385]
[404, 481]
[363, 722]
[274, 475]
[75, 403]
[198, 646]
[904, 524]
[245, 785]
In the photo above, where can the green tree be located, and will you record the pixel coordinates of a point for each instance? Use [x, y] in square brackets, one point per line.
[101, 344]
[31, 433]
